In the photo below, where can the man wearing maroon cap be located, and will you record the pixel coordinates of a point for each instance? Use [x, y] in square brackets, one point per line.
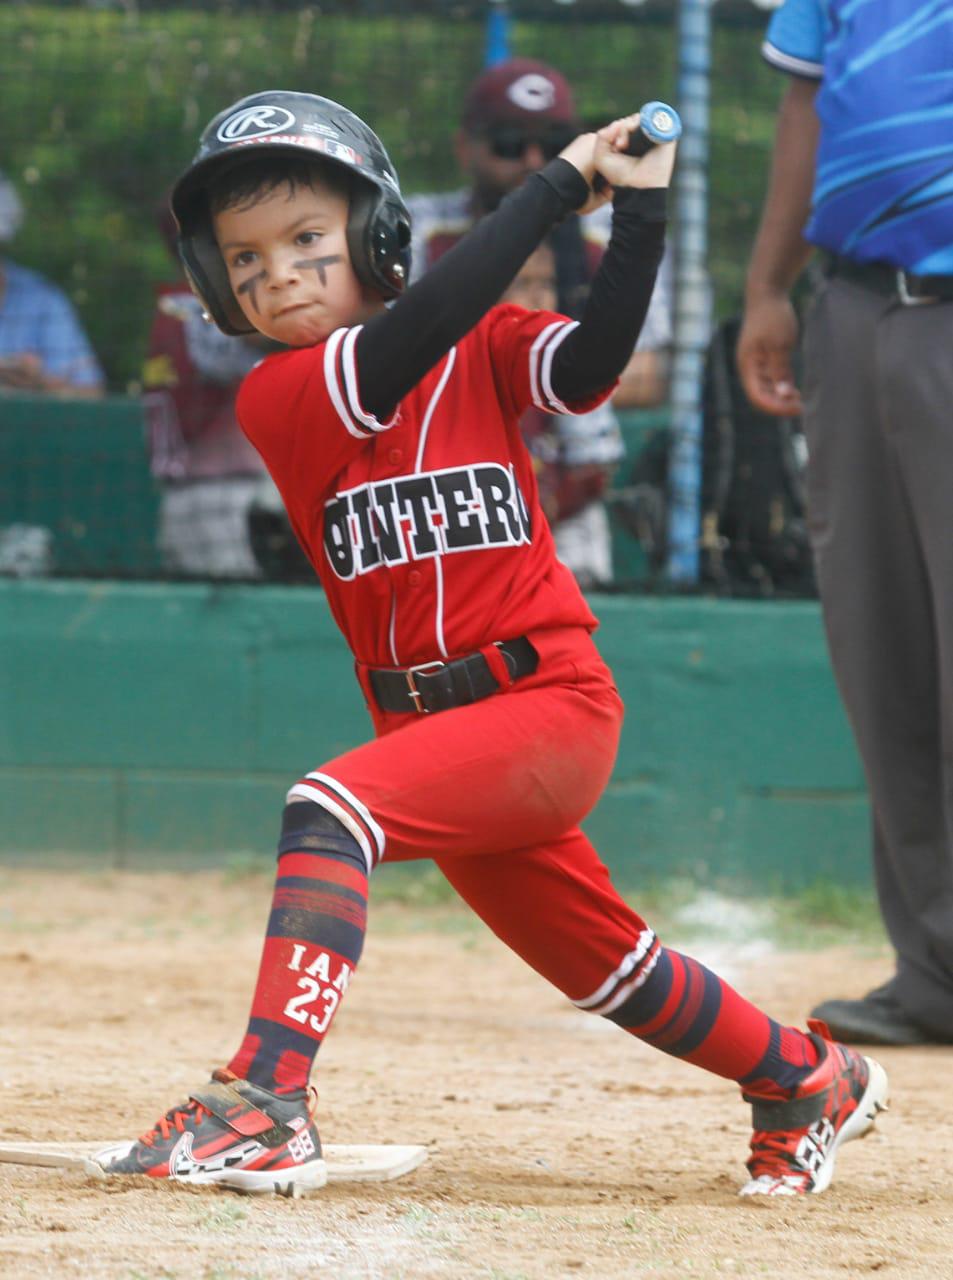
[516, 116]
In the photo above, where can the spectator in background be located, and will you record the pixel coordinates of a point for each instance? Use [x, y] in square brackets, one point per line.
[208, 473]
[42, 344]
[864, 128]
[517, 115]
[574, 455]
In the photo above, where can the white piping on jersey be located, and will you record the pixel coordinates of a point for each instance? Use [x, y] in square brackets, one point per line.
[342, 813]
[438, 392]
[546, 370]
[438, 568]
[606, 997]
[438, 562]
[787, 62]
[393, 625]
[348, 406]
[334, 391]
[349, 365]
[541, 362]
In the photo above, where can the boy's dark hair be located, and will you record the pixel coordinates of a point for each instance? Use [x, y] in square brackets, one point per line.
[251, 180]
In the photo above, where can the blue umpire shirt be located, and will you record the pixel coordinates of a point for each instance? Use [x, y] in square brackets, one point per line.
[883, 188]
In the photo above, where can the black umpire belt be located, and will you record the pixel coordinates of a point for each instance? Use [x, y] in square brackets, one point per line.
[881, 277]
[438, 686]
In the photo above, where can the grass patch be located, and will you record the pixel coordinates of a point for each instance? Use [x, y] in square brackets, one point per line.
[416, 884]
[835, 911]
[823, 913]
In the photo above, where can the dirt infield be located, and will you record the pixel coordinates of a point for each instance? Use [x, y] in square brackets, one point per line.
[558, 1145]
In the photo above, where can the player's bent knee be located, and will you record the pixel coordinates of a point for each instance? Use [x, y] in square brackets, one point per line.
[306, 827]
[347, 808]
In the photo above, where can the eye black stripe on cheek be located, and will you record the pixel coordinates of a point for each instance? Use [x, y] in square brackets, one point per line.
[319, 264]
[250, 286]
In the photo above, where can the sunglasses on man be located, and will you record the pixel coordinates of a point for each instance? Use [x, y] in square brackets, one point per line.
[511, 142]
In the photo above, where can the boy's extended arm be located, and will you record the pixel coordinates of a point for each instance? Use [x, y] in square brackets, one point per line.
[595, 353]
[396, 348]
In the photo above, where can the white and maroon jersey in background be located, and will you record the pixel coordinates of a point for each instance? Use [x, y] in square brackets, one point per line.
[426, 531]
[440, 219]
[190, 379]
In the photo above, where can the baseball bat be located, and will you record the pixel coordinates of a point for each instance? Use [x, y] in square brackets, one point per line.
[658, 122]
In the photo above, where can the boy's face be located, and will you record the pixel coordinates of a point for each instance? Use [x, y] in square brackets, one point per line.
[535, 286]
[289, 265]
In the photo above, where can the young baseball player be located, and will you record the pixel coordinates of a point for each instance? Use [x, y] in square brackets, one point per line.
[392, 434]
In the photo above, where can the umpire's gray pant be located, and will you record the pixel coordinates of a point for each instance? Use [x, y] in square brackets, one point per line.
[878, 389]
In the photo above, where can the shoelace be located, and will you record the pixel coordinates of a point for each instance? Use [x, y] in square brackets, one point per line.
[771, 1155]
[174, 1119]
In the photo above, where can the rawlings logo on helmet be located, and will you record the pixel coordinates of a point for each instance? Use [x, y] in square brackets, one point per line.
[254, 122]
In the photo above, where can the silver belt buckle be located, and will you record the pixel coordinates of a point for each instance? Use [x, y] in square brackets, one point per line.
[411, 674]
[907, 298]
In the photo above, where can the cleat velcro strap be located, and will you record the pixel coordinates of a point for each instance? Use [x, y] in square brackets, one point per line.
[768, 1117]
[225, 1103]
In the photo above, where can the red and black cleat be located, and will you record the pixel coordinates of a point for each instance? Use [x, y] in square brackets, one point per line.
[232, 1133]
[795, 1143]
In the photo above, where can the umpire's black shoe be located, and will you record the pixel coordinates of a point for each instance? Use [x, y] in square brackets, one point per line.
[876, 1018]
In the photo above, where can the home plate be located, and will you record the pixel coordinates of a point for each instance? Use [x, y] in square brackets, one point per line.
[361, 1163]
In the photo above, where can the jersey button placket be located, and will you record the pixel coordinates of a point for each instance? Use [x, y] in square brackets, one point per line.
[395, 456]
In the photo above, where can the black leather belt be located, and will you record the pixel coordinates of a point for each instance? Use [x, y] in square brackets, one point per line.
[912, 291]
[438, 686]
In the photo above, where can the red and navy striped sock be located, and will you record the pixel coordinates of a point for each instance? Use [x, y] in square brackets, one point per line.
[686, 1010]
[314, 941]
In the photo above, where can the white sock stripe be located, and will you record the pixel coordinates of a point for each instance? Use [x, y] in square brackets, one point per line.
[607, 990]
[627, 988]
[547, 365]
[358, 806]
[334, 387]
[324, 801]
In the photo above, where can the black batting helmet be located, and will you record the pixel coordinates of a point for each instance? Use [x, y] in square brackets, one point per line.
[378, 229]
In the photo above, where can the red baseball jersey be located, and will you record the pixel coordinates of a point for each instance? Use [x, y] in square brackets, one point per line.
[426, 531]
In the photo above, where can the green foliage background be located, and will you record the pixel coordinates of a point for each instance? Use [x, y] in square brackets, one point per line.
[102, 109]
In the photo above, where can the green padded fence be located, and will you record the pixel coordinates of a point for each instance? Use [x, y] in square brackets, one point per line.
[78, 470]
[145, 723]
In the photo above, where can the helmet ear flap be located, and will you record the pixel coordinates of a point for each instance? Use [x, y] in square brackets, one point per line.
[208, 278]
[378, 237]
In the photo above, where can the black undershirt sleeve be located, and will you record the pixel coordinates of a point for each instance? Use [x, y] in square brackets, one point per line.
[396, 348]
[594, 354]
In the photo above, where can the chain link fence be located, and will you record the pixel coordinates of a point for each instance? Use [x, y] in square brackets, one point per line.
[103, 104]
